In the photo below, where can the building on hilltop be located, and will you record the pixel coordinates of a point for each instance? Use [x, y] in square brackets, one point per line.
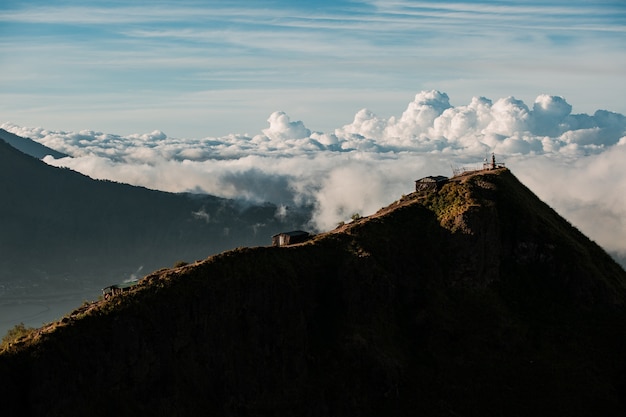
[487, 166]
[290, 238]
[430, 183]
[493, 164]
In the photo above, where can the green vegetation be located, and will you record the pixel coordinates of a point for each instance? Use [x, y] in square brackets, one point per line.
[15, 334]
[451, 201]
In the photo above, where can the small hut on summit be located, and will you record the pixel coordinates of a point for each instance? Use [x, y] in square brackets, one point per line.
[430, 183]
[290, 238]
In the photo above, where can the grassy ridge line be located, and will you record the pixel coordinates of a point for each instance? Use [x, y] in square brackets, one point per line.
[423, 306]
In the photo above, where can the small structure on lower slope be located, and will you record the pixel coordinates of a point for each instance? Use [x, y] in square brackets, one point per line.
[290, 238]
[116, 289]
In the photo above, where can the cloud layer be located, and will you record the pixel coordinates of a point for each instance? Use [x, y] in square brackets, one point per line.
[572, 161]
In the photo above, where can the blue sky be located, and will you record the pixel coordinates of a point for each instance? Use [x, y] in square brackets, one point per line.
[209, 68]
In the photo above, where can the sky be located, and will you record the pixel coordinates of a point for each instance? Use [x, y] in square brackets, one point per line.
[341, 104]
[209, 68]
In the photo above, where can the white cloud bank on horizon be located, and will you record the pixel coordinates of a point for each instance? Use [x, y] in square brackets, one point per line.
[574, 162]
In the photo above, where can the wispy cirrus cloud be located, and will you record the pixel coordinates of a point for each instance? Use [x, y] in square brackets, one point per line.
[152, 55]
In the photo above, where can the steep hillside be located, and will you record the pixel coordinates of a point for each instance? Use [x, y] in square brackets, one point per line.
[29, 146]
[474, 300]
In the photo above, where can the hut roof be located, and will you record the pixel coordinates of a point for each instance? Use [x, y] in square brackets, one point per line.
[293, 233]
[430, 178]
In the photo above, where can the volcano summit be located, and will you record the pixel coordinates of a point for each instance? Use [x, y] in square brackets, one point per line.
[473, 298]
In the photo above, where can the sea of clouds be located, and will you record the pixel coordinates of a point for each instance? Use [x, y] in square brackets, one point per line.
[574, 162]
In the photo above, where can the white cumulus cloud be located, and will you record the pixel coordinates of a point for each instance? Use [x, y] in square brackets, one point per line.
[572, 161]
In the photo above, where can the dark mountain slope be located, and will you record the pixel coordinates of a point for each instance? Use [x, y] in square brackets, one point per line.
[476, 300]
[29, 146]
[59, 222]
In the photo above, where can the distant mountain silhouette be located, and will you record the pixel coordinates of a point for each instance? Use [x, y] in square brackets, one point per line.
[29, 146]
[472, 299]
[58, 223]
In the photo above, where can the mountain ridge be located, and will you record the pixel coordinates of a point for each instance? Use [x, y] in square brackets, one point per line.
[64, 231]
[29, 146]
[474, 299]
[79, 207]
